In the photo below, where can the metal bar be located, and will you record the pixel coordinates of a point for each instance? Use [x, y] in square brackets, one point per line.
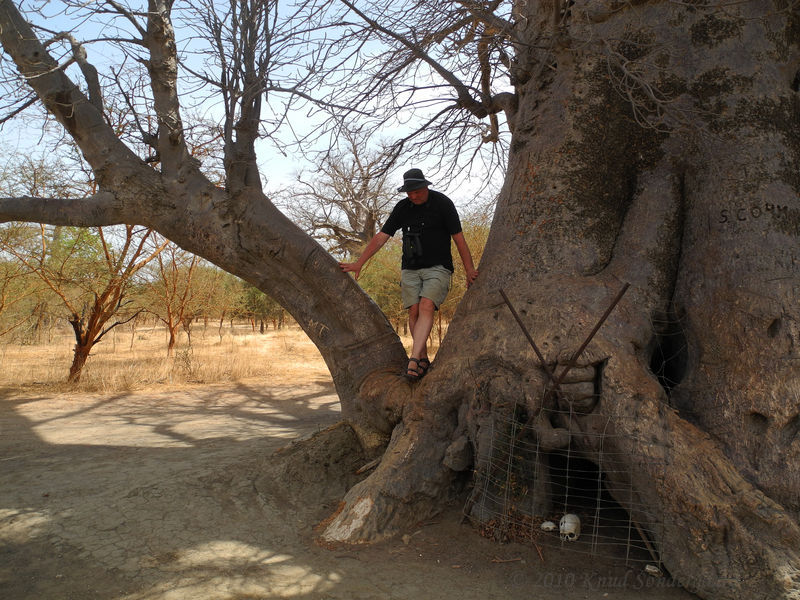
[545, 366]
[597, 327]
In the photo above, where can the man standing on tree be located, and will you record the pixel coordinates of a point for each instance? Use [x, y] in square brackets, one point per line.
[428, 220]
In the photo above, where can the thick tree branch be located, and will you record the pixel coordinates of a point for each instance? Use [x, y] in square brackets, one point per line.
[100, 209]
[251, 68]
[89, 71]
[163, 68]
[111, 161]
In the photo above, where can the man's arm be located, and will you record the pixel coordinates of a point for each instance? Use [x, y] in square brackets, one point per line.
[466, 257]
[375, 244]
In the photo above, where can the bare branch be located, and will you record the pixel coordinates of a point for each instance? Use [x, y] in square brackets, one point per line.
[22, 107]
[130, 16]
[117, 323]
[88, 70]
[464, 94]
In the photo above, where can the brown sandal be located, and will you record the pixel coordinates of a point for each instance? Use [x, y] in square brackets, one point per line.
[422, 366]
[414, 373]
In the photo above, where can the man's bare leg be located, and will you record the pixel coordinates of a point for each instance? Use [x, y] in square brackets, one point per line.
[420, 320]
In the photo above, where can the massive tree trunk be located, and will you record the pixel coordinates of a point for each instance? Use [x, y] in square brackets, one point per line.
[661, 150]
[655, 144]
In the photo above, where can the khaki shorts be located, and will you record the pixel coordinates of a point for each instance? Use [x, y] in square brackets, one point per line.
[432, 283]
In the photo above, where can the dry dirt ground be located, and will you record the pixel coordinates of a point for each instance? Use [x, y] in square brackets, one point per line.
[176, 495]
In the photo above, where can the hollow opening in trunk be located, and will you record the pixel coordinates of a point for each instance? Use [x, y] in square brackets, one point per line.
[669, 350]
[579, 487]
[523, 491]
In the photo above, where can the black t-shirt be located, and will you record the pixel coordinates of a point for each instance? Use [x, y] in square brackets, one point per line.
[427, 229]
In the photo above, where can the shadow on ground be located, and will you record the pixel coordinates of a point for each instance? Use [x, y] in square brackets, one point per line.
[181, 495]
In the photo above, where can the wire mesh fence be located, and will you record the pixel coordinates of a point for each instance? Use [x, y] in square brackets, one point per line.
[522, 491]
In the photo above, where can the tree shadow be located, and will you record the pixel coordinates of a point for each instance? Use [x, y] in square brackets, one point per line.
[151, 496]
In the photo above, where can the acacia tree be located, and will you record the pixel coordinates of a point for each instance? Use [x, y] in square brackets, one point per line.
[19, 289]
[89, 272]
[174, 297]
[652, 143]
[216, 294]
[91, 278]
[256, 305]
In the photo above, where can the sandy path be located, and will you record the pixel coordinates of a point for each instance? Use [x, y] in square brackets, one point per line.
[145, 496]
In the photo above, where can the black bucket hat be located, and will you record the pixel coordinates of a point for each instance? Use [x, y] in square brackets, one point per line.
[413, 179]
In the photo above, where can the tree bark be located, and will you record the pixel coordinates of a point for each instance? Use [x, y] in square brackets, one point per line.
[172, 338]
[79, 358]
[698, 210]
[654, 144]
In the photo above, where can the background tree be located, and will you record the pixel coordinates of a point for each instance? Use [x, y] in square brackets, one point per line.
[345, 201]
[20, 290]
[257, 306]
[88, 270]
[174, 297]
[218, 295]
[211, 293]
[91, 278]
[651, 143]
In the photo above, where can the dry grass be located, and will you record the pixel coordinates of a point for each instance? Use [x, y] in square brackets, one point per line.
[116, 364]
[119, 364]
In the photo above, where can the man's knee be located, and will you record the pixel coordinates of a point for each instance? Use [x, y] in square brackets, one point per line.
[426, 305]
[413, 311]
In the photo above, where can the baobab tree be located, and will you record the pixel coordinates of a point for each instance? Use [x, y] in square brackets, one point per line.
[653, 144]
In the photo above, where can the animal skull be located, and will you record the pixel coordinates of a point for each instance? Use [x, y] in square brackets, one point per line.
[569, 527]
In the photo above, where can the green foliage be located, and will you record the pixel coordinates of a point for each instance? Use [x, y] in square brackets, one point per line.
[380, 278]
[74, 258]
[476, 232]
[255, 304]
[20, 293]
[214, 293]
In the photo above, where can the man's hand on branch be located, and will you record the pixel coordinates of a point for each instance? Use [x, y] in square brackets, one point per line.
[472, 275]
[354, 268]
[375, 244]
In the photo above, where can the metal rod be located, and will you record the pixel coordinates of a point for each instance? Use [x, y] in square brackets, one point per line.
[545, 366]
[643, 535]
[597, 327]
